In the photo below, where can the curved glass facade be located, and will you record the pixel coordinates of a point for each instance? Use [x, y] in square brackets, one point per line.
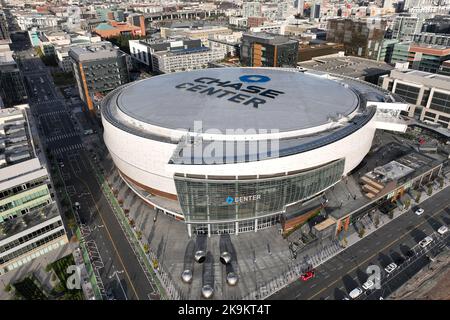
[216, 199]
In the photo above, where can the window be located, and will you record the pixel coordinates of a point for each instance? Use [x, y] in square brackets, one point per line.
[215, 200]
[441, 102]
[409, 93]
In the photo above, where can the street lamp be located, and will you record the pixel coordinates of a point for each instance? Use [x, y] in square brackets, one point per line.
[116, 274]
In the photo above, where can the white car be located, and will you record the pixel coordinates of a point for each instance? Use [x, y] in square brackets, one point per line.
[355, 293]
[419, 211]
[368, 284]
[442, 230]
[425, 242]
[391, 267]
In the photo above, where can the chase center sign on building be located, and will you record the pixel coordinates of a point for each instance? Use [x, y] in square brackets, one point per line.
[227, 150]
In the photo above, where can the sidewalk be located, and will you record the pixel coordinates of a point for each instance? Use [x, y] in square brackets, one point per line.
[143, 252]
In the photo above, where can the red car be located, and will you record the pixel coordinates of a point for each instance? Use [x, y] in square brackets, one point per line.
[308, 275]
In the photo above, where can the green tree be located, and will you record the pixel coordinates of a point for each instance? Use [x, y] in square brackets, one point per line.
[391, 214]
[407, 204]
[376, 221]
[429, 190]
[418, 196]
[361, 232]
[71, 223]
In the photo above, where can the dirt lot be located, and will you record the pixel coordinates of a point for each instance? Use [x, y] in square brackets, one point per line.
[428, 284]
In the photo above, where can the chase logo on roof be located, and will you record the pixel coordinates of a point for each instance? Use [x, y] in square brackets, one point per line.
[237, 92]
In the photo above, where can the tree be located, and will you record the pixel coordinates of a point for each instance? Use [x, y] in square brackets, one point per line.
[407, 204]
[429, 190]
[146, 248]
[391, 214]
[376, 221]
[71, 223]
[8, 287]
[418, 196]
[361, 232]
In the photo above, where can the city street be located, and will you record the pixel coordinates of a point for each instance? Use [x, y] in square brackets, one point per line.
[111, 254]
[338, 276]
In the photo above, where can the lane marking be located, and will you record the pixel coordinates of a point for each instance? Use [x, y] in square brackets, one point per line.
[109, 235]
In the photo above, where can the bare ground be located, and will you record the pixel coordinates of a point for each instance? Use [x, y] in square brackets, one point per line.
[430, 283]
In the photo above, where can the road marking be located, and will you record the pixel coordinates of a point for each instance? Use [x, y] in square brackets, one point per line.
[387, 246]
[110, 237]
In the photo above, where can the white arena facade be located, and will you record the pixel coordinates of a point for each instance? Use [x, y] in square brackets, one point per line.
[228, 150]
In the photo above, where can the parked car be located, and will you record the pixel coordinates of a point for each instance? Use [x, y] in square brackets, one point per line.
[419, 211]
[425, 242]
[390, 267]
[368, 285]
[307, 275]
[355, 293]
[442, 230]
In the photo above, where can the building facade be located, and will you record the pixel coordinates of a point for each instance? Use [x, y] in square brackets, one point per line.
[361, 37]
[404, 27]
[268, 50]
[432, 38]
[427, 93]
[98, 68]
[428, 58]
[30, 223]
[12, 87]
[176, 55]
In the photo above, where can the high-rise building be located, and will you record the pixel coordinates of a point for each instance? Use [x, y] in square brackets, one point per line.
[98, 68]
[437, 24]
[251, 9]
[432, 38]
[405, 26]
[4, 34]
[30, 223]
[175, 55]
[361, 37]
[12, 88]
[268, 50]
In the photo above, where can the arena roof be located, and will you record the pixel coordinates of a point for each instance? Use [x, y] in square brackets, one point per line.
[237, 98]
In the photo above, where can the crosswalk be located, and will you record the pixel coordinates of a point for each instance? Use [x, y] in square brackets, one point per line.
[51, 113]
[45, 102]
[68, 148]
[62, 136]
